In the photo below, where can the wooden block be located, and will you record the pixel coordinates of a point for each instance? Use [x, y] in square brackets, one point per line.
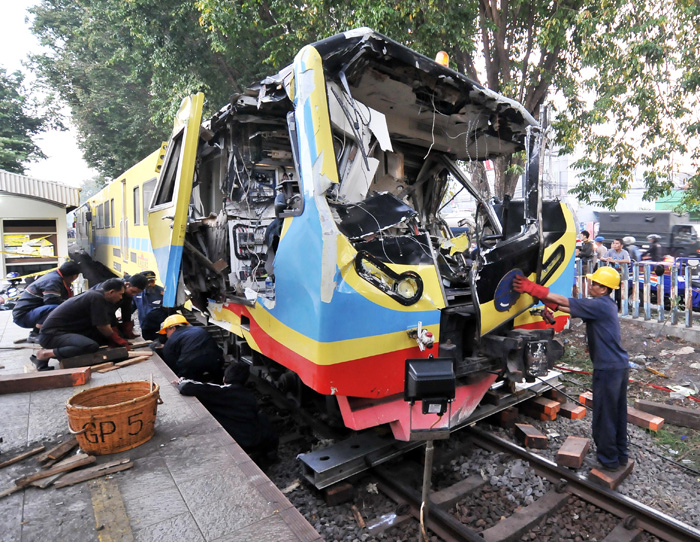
[101, 356]
[572, 452]
[21, 456]
[142, 344]
[586, 398]
[675, 415]
[530, 436]
[572, 411]
[644, 419]
[492, 397]
[534, 412]
[108, 369]
[557, 395]
[44, 380]
[544, 405]
[506, 418]
[610, 479]
[338, 493]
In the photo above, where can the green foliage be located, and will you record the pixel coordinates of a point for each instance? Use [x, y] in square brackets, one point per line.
[623, 74]
[18, 124]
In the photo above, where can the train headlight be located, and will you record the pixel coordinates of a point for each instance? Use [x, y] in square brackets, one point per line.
[406, 288]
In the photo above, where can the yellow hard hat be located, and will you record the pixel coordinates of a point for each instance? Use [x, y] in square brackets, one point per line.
[173, 320]
[607, 276]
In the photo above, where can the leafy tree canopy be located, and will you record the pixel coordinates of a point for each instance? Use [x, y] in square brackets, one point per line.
[622, 75]
[18, 124]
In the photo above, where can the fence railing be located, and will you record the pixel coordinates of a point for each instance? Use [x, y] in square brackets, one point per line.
[664, 288]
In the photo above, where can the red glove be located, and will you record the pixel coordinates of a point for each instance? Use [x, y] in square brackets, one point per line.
[524, 285]
[127, 330]
[115, 341]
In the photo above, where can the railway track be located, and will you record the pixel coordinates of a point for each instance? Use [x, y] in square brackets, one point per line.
[636, 521]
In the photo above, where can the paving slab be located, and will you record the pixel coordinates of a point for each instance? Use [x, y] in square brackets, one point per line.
[191, 481]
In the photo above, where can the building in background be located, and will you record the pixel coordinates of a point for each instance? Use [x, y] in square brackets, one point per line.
[33, 223]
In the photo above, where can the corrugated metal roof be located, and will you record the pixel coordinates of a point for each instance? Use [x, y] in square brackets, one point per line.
[13, 183]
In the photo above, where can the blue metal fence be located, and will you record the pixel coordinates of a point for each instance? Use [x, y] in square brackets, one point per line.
[648, 287]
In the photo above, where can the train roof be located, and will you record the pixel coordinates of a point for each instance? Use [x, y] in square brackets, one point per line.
[426, 104]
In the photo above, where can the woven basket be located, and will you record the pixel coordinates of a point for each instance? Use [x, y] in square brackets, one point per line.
[113, 418]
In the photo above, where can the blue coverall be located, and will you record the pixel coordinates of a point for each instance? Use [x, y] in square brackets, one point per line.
[610, 377]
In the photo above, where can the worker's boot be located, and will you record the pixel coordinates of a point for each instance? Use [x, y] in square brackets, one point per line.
[40, 364]
[33, 336]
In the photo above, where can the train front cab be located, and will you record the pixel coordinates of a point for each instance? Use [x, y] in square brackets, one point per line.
[364, 267]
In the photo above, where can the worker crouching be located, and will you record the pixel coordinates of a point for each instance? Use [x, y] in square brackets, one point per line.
[190, 351]
[236, 409]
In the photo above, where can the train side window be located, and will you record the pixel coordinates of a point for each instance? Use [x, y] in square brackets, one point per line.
[168, 177]
[148, 188]
[137, 206]
[100, 216]
[111, 212]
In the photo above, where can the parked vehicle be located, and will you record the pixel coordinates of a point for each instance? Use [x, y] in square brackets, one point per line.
[677, 235]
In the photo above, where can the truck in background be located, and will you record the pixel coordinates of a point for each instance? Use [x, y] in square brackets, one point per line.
[678, 235]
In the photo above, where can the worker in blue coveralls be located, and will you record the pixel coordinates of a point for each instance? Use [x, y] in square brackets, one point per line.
[149, 305]
[190, 351]
[42, 296]
[610, 359]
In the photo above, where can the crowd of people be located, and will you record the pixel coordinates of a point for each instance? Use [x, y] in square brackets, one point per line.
[66, 326]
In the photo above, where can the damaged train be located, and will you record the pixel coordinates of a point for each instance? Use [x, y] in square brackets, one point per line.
[303, 219]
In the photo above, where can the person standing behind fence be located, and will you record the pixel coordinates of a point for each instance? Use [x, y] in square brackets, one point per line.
[632, 249]
[600, 251]
[610, 359]
[586, 252]
[615, 257]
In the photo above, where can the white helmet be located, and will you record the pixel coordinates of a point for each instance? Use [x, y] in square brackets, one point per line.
[629, 240]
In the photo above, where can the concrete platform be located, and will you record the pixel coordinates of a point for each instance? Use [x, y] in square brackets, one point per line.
[190, 482]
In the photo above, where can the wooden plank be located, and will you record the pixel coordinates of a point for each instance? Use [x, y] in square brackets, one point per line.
[94, 472]
[673, 414]
[43, 483]
[44, 380]
[530, 436]
[572, 452]
[644, 419]
[55, 452]
[101, 356]
[102, 366]
[572, 411]
[610, 479]
[338, 493]
[448, 497]
[108, 369]
[72, 463]
[133, 361]
[514, 527]
[143, 344]
[22, 456]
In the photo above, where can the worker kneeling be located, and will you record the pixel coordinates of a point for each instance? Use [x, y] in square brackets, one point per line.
[236, 409]
[190, 351]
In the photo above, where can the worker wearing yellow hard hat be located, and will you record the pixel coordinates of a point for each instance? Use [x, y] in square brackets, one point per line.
[610, 359]
[171, 322]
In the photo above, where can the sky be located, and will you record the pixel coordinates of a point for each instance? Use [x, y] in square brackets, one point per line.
[64, 162]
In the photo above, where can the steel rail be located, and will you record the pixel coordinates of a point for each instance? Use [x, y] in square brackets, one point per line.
[652, 521]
